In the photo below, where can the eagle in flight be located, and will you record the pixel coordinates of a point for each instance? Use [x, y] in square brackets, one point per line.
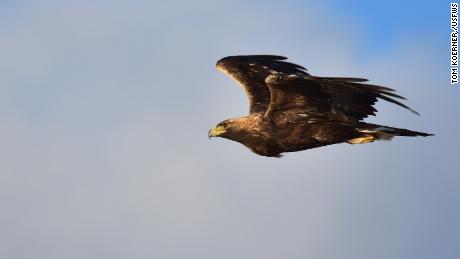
[291, 110]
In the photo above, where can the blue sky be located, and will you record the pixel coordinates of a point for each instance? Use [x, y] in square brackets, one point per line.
[384, 22]
[387, 21]
[105, 108]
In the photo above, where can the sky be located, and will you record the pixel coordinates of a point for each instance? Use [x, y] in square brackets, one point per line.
[105, 108]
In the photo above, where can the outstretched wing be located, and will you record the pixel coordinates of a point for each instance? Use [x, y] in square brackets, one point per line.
[251, 71]
[309, 98]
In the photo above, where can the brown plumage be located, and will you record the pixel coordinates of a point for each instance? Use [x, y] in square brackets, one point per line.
[291, 110]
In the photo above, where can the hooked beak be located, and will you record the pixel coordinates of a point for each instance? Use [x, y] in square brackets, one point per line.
[210, 134]
[216, 131]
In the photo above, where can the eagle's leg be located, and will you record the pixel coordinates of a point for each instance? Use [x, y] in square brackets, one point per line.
[361, 140]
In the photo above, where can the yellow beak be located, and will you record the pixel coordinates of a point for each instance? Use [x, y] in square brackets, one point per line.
[216, 131]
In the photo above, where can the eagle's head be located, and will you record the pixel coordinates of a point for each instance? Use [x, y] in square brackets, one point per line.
[240, 129]
[224, 129]
[237, 129]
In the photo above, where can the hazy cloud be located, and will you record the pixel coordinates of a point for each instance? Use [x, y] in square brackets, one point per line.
[105, 107]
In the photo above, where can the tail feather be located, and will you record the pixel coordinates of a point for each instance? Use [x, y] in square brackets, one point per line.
[380, 132]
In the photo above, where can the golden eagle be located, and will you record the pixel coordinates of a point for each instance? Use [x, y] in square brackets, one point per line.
[291, 110]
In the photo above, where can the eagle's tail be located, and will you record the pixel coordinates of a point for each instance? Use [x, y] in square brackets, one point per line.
[371, 132]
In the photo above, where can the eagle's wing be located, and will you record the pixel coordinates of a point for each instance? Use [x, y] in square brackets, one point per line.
[251, 71]
[309, 98]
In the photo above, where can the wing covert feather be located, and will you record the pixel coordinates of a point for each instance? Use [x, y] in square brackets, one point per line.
[250, 72]
[312, 98]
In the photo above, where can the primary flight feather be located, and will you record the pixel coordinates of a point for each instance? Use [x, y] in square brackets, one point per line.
[291, 110]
